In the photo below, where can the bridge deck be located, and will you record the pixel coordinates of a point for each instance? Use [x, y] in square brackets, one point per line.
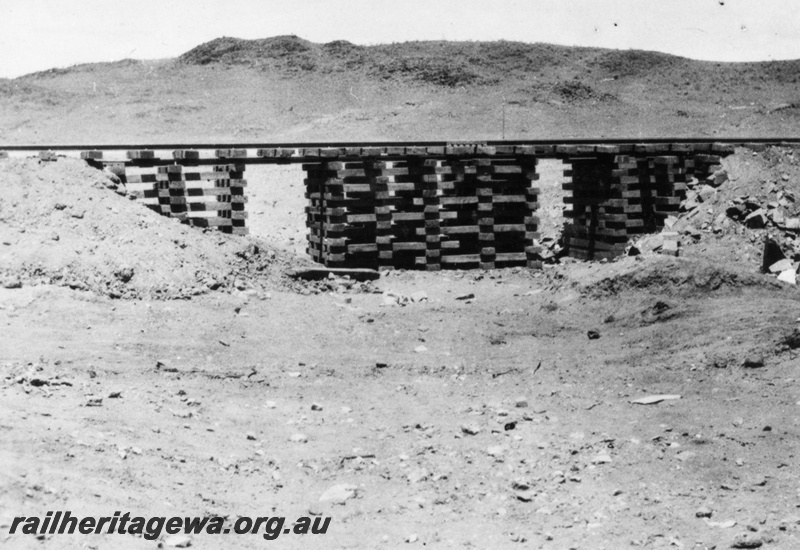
[283, 153]
[425, 205]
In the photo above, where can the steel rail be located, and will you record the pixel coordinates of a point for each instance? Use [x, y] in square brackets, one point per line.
[334, 144]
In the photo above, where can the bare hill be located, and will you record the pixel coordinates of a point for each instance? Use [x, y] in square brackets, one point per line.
[286, 88]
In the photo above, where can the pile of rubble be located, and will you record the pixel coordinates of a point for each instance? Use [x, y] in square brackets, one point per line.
[698, 197]
[719, 207]
[341, 284]
[551, 249]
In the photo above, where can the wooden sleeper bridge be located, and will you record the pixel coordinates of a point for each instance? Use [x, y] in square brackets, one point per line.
[424, 205]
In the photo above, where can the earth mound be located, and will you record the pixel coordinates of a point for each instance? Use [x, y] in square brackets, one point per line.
[290, 52]
[63, 225]
[668, 275]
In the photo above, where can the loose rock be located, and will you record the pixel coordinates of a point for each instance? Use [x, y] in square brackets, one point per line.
[339, 494]
[470, 429]
[753, 361]
[178, 541]
[746, 540]
[653, 399]
[703, 512]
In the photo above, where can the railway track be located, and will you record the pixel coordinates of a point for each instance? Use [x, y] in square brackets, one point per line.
[298, 152]
[425, 204]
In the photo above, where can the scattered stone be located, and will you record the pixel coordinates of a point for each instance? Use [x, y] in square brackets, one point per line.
[777, 217]
[12, 283]
[94, 402]
[524, 495]
[792, 224]
[315, 510]
[781, 266]
[419, 296]
[165, 367]
[470, 429]
[670, 246]
[772, 254]
[593, 335]
[339, 494]
[789, 276]
[319, 273]
[420, 349]
[417, 476]
[722, 524]
[703, 512]
[747, 540]
[753, 361]
[601, 459]
[736, 211]
[706, 192]
[756, 219]
[251, 436]
[653, 399]
[496, 451]
[651, 243]
[115, 395]
[178, 541]
[316, 407]
[521, 402]
[520, 485]
[299, 438]
[124, 274]
[469, 296]
[718, 178]
[270, 404]
[412, 538]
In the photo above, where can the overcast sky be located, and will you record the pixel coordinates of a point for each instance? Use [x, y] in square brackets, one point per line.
[42, 34]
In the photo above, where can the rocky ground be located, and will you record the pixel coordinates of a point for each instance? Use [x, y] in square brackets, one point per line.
[475, 409]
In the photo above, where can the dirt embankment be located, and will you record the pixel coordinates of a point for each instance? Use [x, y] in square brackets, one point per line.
[63, 224]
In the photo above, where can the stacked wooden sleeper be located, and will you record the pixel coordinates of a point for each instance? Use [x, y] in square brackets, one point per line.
[605, 206]
[419, 212]
[205, 196]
